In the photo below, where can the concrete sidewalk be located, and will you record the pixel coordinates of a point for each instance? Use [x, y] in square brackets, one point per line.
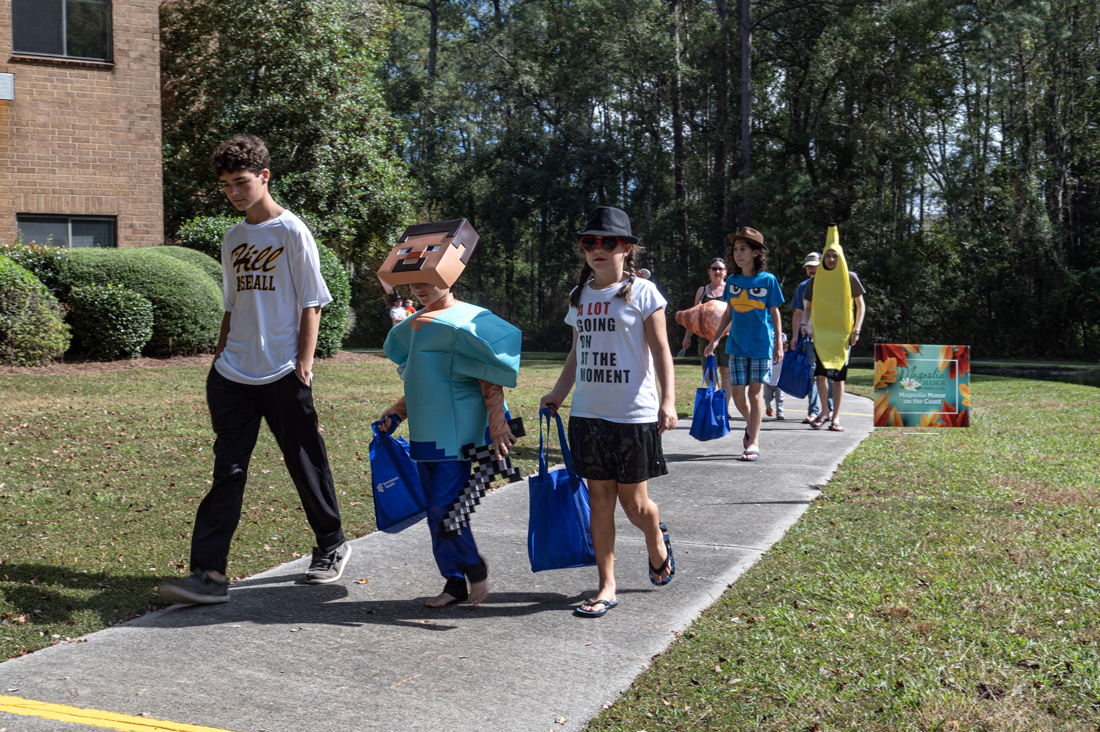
[288, 657]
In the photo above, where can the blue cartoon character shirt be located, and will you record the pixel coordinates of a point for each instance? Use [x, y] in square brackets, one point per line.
[751, 334]
[441, 355]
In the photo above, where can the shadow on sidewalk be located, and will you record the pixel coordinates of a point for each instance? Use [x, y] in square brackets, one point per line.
[283, 601]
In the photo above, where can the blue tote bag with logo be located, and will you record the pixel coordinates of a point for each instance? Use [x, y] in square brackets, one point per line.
[709, 421]
[795, 373]
[558, 530]
[398, 494]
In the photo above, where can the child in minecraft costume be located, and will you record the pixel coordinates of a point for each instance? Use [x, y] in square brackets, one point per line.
[455, 359]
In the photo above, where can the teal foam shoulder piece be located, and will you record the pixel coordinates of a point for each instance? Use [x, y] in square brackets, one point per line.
[441, 360]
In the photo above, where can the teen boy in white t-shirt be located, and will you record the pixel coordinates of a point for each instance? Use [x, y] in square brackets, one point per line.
[263, 368]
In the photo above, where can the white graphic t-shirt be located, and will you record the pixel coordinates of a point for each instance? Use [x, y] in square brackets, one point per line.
[615, 375]
[270, 273]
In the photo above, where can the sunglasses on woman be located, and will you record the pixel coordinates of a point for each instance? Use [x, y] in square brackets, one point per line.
[609, 243]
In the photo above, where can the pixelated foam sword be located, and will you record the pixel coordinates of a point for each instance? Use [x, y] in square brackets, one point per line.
[485, 468]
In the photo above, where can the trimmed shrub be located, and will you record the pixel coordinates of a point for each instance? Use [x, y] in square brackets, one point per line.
[187, 305]
[207, 264]
[31, 329]
[41, 260]
[334, 317]
[109, 321]
[205, 233]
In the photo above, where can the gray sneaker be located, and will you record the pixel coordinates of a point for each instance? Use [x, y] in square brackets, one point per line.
[327, 567]
[198, 588]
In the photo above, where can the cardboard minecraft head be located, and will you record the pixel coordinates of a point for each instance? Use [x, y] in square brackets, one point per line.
[435, 253]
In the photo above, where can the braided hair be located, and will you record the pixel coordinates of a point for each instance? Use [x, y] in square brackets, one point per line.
[586, 275]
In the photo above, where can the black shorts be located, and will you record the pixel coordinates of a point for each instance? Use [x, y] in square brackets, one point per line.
[624, 453]
[834, 374]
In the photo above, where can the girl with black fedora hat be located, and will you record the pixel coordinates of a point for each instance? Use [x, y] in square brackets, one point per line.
[620, 356]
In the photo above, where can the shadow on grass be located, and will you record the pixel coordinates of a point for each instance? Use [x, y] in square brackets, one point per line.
[41, 596]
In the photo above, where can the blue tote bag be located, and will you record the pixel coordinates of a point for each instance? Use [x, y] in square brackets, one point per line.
[795, 374]
[398, 494]
[558, 531]
[709, 421]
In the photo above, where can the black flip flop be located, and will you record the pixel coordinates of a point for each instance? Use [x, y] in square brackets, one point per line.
[607, 605]
[669, 562]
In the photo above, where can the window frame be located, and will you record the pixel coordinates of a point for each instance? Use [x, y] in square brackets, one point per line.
[69, 219]
[110, 57]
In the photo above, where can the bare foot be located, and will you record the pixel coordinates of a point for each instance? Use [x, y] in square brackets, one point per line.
[440, 600]
[479, 592]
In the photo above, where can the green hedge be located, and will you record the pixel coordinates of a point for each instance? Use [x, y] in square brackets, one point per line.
[207, 264]
[41, 260]
[334, 318]
[31, 329]
[187, 305]
[110, 322]
[205, 233]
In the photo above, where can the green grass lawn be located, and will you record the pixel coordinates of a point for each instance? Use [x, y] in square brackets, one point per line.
[944, 580]
[100, 476]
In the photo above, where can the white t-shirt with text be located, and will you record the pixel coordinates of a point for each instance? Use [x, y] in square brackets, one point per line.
[270, 273]
[615, 375]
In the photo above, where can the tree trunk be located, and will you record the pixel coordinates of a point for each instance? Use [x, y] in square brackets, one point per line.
[678, 162]
[721, 122]
[433, 49]
[743, 216]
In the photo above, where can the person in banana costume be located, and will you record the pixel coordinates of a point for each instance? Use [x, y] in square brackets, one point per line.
[827, 316]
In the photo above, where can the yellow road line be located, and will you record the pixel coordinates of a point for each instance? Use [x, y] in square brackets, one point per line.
[94, 717]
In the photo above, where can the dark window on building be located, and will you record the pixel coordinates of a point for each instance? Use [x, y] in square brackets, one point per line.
[67, 231]
[79, 29]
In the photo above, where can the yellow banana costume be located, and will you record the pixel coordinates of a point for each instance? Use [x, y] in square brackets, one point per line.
[831, 310]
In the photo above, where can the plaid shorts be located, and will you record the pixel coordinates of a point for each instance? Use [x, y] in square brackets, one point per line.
[744, 370]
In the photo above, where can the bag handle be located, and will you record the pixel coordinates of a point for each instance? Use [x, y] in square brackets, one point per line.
[376, 427]
[710, 369]
[544, 467]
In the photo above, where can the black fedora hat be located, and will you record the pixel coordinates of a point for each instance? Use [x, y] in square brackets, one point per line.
[608, 221]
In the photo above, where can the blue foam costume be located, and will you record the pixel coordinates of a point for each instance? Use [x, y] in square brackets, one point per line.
[441, 359]
[442, 355]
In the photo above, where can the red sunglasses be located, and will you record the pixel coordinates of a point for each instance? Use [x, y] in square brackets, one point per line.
[609, 243]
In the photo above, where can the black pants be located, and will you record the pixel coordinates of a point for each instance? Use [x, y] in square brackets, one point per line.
[235, 410]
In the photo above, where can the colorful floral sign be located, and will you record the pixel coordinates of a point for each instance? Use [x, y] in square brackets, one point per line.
[922, 385]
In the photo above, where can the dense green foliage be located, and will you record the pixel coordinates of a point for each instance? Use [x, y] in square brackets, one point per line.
[370, 306]
[31, 329]
[205, 233]
[187, 305]
[955, 144]
[334, 317]
[42, 260]
[300, 77]
[209, 265]
[110, 322]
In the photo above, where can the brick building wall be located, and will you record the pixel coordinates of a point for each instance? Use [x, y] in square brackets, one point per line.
[83, 138]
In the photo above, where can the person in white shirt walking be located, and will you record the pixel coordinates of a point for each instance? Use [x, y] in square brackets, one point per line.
[263, 369]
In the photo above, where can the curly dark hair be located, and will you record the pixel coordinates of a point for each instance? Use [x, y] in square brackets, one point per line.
[760, 257]
[240, 152]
